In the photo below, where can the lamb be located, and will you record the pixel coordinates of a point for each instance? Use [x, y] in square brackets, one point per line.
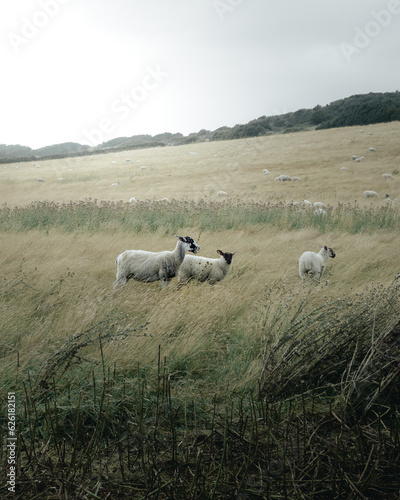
[314, 263]
[147, 266]
[204, 269]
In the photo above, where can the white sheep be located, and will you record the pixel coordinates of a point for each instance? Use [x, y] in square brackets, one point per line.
[132, 200]
[387, 176]
[222, 193]
[283, 178]
[389, 200]
[372, 149]
[315, 263]
[321, 211]
[204, 269]
[266, 171]
[370, 194]
[360, 159]
[319, 204]
[147, 266]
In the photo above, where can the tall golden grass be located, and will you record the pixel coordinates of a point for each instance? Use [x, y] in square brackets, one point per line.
[57, 283]
[81, 269]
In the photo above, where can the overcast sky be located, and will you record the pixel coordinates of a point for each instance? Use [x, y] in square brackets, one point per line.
[88, 71]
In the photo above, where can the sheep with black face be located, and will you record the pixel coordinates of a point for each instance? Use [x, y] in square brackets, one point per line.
[205, 269]
[142, 265]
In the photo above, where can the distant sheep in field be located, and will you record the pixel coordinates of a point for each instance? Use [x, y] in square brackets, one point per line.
[389, 200]
[360, 159]
[387, 176]
[321, 211]
[306, 203]
[40, 179]
[319, 204]
[222, 193]
[283, 178]
[370, 194]
[354, 157]
[147, 266]
[266, 171]
[372, 149]
[315, 263]
[344, 169]
[132, 200]
[204, 269]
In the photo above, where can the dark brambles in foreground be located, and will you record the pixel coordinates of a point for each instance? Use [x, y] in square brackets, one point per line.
[93, 215]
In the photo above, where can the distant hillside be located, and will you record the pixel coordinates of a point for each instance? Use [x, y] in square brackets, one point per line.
[363, 109]
[64, 149]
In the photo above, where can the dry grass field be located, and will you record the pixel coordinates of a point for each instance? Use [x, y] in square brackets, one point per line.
[56, 283]
[201, 170]
[265, 256]
[83, 263]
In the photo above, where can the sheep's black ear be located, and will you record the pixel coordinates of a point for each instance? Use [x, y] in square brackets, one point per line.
[325, 248]
[220, 252]
[179, 237]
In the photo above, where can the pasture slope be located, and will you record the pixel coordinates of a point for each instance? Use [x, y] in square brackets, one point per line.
[241, 390]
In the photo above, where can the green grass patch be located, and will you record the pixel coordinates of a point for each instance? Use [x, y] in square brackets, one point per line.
[94, 216]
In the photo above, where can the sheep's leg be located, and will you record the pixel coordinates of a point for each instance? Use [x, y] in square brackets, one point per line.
[121, 280]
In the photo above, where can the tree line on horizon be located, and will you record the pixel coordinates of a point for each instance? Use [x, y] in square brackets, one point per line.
[357, 110]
